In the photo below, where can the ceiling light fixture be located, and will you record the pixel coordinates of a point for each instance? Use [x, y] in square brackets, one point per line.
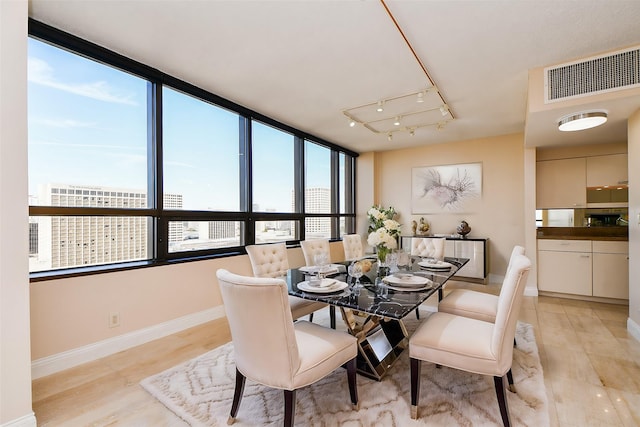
[582, 121]
[444, 109]
[412, 132]
[389, 136]
[352, 123]
[380, 108]
[420, 98]
[397, 121]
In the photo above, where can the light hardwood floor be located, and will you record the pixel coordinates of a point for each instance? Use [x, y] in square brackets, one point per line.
[591, 369]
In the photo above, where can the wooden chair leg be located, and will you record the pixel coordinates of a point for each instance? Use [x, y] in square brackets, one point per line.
[237, 397]
[289, 407]
[332, 316]
[501, 393]
[512, 387]
[415, 386]
[353, 387]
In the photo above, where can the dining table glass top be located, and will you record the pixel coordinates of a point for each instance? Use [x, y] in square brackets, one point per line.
[385, 294]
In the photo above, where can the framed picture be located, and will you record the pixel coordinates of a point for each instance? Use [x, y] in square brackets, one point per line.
[447, 188]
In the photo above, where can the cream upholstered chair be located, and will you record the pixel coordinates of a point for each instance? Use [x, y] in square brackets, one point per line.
[428, 247]
[313, 246]
[470, 344]
[474, 304]
[271, 260]
[272, 350]
[352, 244]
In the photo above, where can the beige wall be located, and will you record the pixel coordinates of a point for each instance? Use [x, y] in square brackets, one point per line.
[70, 313]
[501, 216]
[634, 223]
[15, 369]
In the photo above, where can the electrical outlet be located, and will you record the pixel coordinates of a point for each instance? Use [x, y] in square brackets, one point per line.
[114, 319]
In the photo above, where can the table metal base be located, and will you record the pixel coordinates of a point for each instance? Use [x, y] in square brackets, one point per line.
[380, 341]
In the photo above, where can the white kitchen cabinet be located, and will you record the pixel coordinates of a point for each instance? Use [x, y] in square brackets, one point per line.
[561, 183]
[607, 170]
[611, 269]
[565, 266]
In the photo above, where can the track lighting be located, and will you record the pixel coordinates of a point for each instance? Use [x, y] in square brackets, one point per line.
[380, 108]
[397, 121]
[444, 109]
[412, 132]
[389, 136]
[420, 98]
[352, 123]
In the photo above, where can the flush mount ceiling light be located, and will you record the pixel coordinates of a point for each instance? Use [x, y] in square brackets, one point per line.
[582, 121]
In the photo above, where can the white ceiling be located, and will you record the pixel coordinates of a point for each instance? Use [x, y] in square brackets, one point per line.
[304, 62]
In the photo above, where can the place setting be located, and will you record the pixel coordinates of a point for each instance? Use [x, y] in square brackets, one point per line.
[407, 282]
[319, 285]
[434, 264]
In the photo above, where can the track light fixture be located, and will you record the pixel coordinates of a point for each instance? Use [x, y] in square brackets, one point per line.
[402, 113]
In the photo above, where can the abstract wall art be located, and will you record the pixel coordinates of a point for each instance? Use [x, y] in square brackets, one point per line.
[447, 188]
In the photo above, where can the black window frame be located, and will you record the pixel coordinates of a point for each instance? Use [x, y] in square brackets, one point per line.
[160, 218]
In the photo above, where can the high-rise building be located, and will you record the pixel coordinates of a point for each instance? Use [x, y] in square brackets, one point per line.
[317, 200]
[73, 241]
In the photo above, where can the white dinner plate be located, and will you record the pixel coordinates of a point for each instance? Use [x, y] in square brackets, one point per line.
[333, 287]
[409, 289]
[313, 269]
[406, 281]
[435, 265]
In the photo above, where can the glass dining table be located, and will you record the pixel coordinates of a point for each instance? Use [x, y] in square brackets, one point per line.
[373, 312]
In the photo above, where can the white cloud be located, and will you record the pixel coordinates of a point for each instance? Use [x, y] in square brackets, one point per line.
[40, 72]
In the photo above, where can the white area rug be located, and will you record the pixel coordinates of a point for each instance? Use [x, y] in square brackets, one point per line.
[200, 391]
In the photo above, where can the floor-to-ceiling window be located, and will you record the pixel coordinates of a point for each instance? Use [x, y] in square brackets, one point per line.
[130, 167]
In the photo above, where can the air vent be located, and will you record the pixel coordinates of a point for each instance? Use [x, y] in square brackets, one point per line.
[599, 74]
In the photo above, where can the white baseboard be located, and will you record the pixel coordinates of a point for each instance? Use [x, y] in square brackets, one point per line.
[633, 328]
[68, 359]
[25, 421]
[531, 291]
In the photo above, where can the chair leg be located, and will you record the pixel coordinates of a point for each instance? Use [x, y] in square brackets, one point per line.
[514, 342]
[311, 317]
[332, 316]
[353, 387]
[415, 386]
[512, 387]
[501, 393]
[289, 407]
[237, 397]
[418, 313]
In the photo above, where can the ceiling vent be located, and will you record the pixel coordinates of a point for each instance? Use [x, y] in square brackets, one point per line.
[598, 74]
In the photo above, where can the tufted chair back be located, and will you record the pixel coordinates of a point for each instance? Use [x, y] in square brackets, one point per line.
[268, 260]
[264, 341]
[428, 247]
[352, 244]
[314, 246]
[509, 303]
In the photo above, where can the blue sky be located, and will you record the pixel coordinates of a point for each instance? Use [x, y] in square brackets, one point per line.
[87, 126]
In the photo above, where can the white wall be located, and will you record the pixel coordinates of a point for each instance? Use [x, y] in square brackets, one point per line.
[15, 367]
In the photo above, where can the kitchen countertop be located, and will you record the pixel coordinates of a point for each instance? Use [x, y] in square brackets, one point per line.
[584, 233]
